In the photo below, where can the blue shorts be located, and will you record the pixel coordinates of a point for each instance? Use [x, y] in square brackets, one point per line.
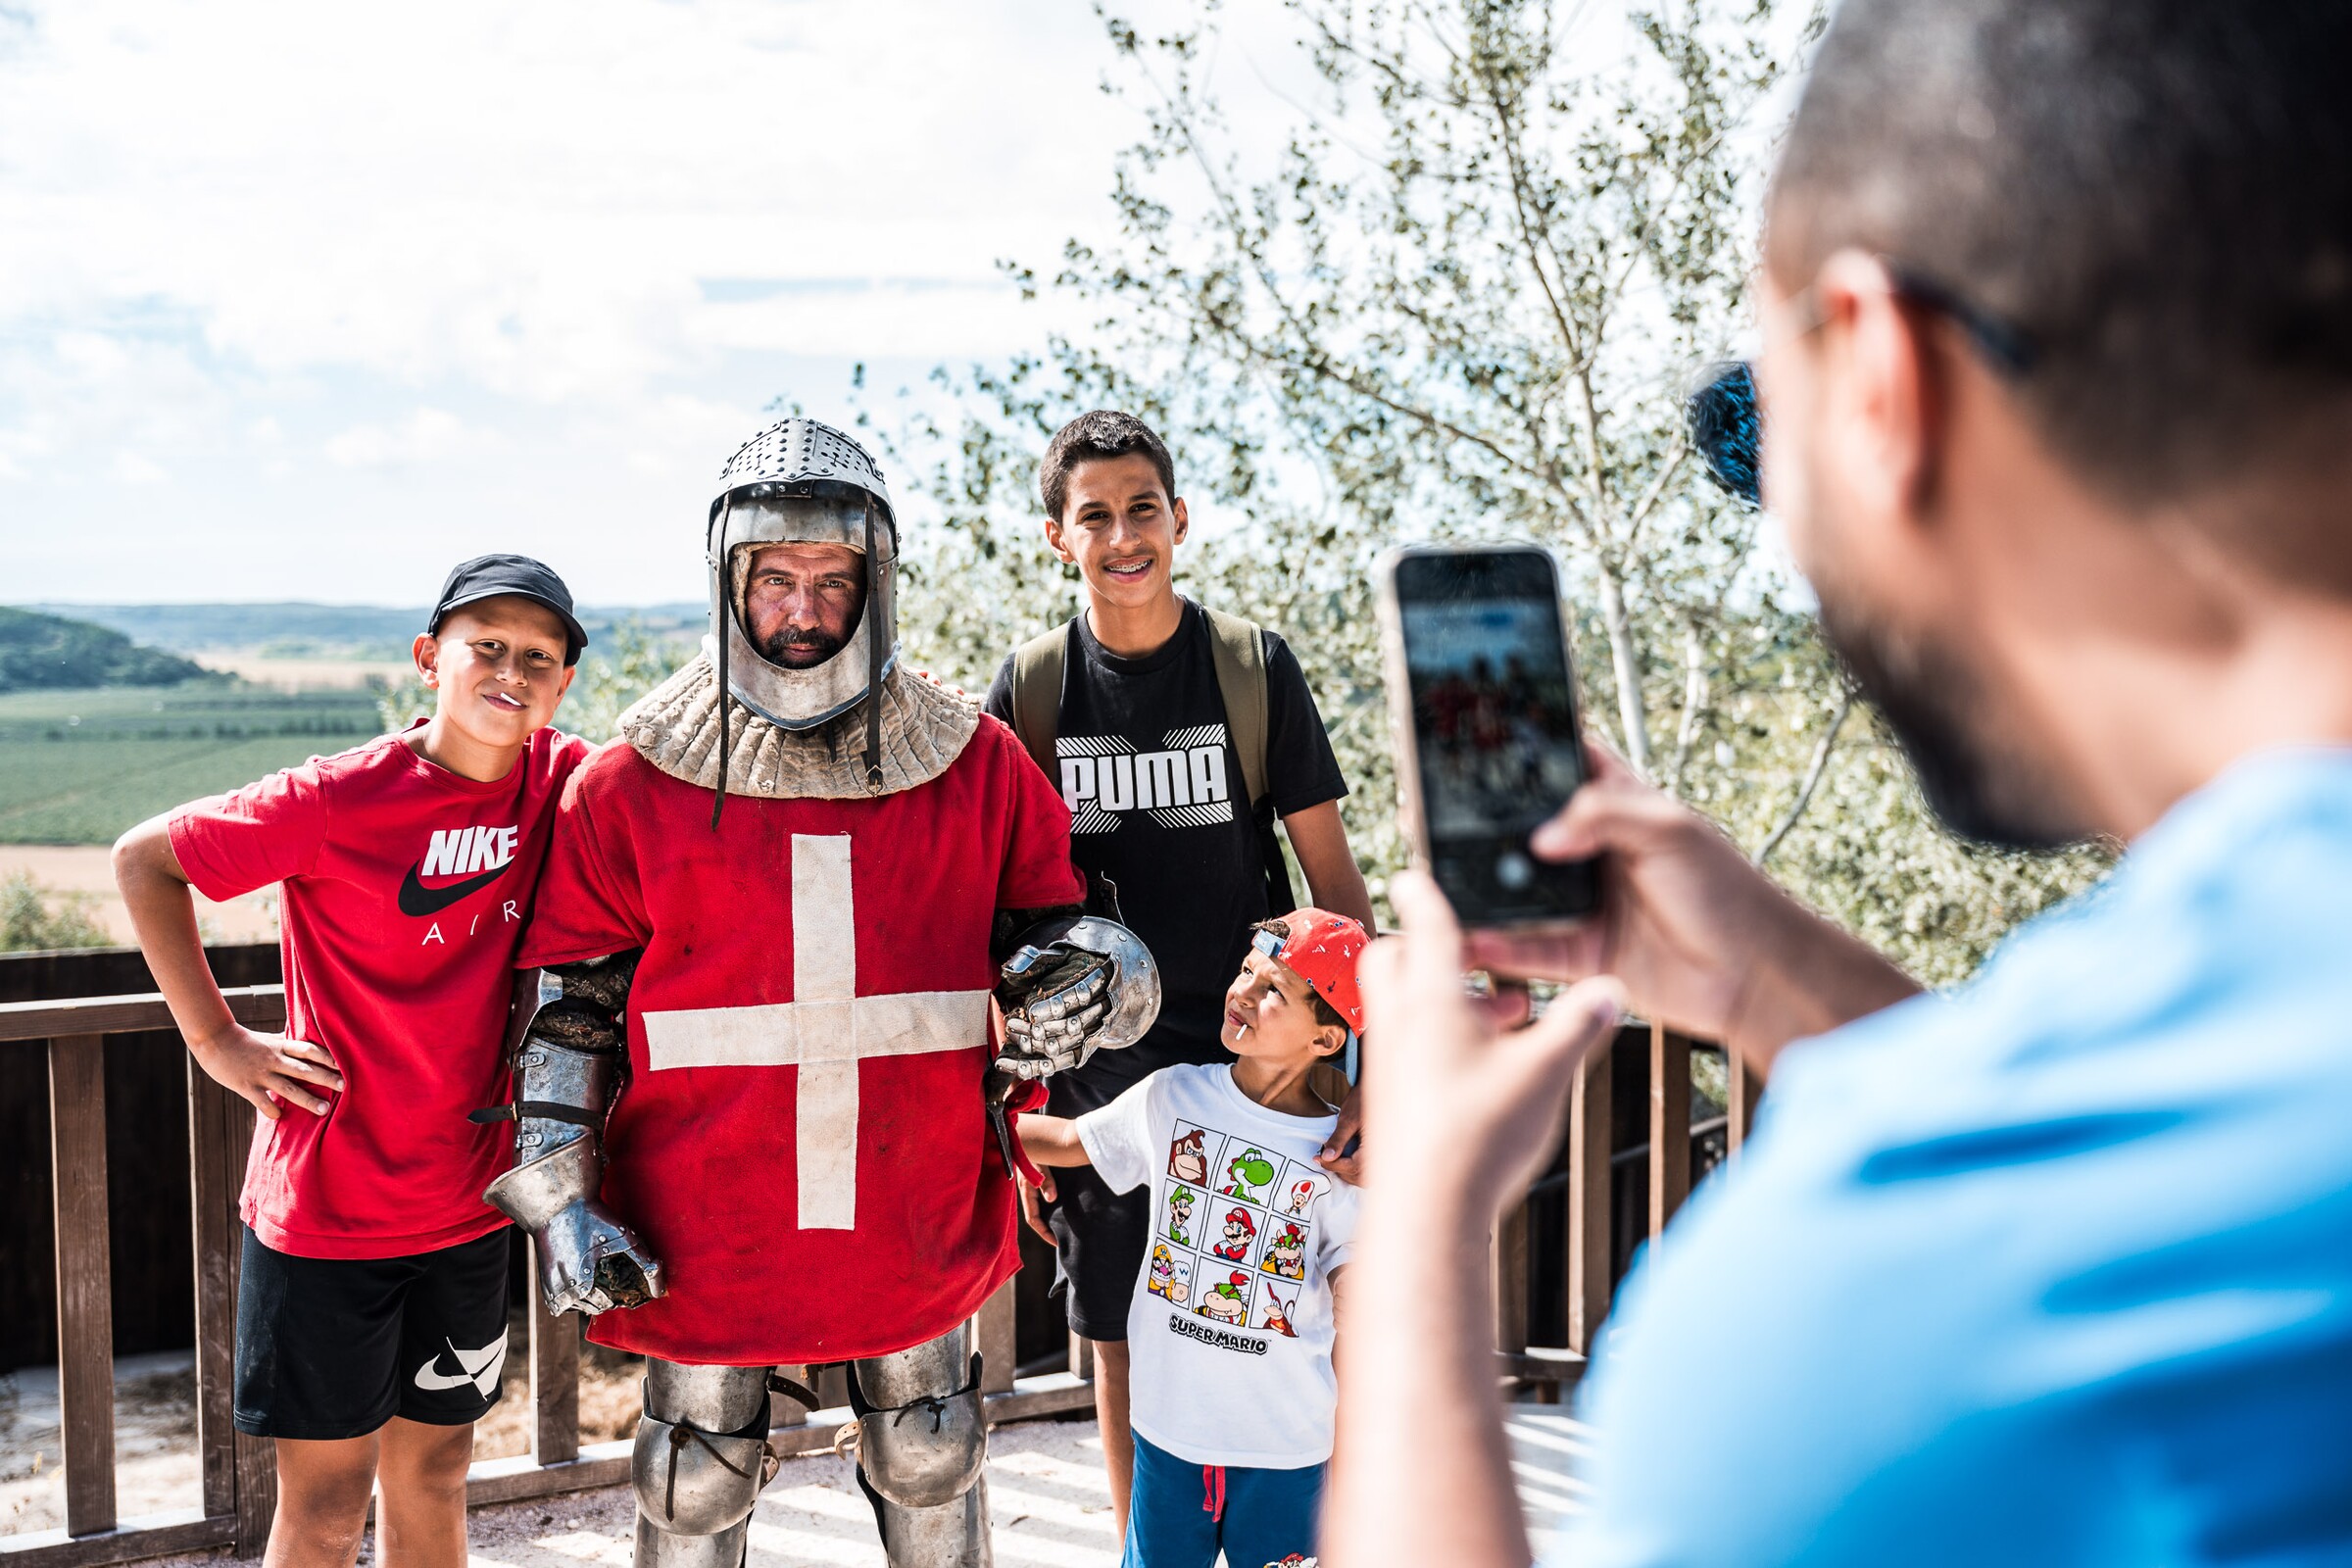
[1180, 1515]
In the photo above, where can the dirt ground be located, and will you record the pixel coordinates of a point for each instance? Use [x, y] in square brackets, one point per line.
[1047, 1498]
[155, 1428]
[155, 1440]
[88, 868]
[1051, 1505]
[302, 674]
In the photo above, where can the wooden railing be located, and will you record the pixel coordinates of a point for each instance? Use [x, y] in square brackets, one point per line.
[1592, 1249]
[237, 1476]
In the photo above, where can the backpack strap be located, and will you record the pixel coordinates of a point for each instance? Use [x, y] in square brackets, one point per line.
[1238, 654]
[1037, 666]
[1237, 650]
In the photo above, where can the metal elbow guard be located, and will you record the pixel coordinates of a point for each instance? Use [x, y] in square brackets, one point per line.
[1074, 986]
[566, 1076]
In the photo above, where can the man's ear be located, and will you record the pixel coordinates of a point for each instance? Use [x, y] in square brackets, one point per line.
[1060, 545]
[1329, 1040]
[426, 650]
[1183, 522]
[1882, 408]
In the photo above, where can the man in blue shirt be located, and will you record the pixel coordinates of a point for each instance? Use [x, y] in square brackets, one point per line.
[2055, 1268]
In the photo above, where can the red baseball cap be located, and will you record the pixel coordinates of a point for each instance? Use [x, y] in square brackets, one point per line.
[1322, 949]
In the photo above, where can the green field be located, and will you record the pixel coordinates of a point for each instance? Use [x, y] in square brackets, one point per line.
[79, 766]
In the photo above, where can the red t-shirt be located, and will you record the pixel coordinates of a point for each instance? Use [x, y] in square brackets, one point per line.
[405, 889]
[801, 935]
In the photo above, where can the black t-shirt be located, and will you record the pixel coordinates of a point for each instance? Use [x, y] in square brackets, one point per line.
[1157, 805]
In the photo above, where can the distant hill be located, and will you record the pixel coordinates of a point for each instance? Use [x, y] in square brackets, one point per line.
[46, 653]
[300, 629]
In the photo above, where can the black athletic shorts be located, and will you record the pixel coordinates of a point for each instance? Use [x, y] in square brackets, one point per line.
[1100, 1237]
[336, 1347]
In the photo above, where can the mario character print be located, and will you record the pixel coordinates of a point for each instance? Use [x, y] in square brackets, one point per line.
[1171, 1276]
[1240, 1231]
[1286, 1253]
[1296, 1559]
[1228, 1301]
[1248, 1175]
[1275, 1313]
[1188, 1155]
[1180, 1216]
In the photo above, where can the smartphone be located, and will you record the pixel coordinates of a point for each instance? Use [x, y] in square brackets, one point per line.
[1483, 699]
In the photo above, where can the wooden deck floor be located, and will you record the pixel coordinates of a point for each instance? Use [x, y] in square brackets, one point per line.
[1048, 1497]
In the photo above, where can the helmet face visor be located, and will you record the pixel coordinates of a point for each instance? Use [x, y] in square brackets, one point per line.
[816, 513]
[769, 515]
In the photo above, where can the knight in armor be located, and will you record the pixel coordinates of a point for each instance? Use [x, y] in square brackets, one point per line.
[753, 1110]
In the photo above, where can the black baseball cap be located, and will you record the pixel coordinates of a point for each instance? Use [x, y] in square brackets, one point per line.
[489, 576]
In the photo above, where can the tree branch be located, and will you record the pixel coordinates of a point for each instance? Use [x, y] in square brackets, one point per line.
[1813, 772]
[1695, 706]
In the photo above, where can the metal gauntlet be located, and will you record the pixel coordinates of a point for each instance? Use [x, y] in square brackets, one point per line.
[568, 1073]
[1073, 987]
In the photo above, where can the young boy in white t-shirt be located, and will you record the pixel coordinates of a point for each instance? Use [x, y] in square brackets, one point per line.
[1230, 1331]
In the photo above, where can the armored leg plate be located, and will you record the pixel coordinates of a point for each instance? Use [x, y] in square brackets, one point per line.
[698, 1465]
[659, 1548]
[922, 1445]
[953, 1534]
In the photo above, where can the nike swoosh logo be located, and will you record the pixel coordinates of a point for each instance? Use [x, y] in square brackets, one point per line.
[415, 898]
[483, 1368]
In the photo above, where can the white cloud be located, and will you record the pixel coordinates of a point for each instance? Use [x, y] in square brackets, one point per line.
[354, 288]
[424, 436]
[524, 195]
[136, 468]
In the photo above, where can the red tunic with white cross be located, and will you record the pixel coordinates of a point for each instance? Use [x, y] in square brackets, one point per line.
[802, 1142]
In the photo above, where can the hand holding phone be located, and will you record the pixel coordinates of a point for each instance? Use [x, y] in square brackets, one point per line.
[1482, 696]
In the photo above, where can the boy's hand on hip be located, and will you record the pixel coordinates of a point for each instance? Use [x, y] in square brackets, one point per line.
[269, 1068]
[1464, 1108]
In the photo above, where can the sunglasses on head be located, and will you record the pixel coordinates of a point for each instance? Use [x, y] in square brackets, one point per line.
[1727, 424]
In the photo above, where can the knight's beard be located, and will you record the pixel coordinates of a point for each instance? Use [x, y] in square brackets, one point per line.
[1932, 705]
[800, 647]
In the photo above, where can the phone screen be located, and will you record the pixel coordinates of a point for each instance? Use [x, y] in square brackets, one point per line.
[1494, 728]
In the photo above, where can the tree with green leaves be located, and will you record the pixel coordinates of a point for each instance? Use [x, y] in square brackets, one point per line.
[33, 918]
[1464, 299]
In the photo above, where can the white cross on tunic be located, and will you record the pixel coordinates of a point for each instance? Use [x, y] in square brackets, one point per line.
[825, 1031]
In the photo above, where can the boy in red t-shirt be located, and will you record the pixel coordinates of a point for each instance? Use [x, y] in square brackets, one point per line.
[372, 1309]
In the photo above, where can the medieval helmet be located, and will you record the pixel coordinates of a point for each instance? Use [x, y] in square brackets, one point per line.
[802, 482]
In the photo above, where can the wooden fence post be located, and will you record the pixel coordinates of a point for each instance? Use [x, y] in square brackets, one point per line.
[213, 1183]
[1509, 1278]
[1589, 1138]
[85, 1313]
[993, 1329]
[1743, 1086]
[1669, 1125]
[554, 1370]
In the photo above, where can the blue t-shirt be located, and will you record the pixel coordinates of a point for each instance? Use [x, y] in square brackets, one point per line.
[2054, 1269]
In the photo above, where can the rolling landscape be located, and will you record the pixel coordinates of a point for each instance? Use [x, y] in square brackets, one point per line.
[110, 714]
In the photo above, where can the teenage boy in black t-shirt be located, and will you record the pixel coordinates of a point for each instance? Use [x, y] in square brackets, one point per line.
[1139, 703]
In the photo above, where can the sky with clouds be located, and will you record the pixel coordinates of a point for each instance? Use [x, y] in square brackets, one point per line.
[309, 301]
